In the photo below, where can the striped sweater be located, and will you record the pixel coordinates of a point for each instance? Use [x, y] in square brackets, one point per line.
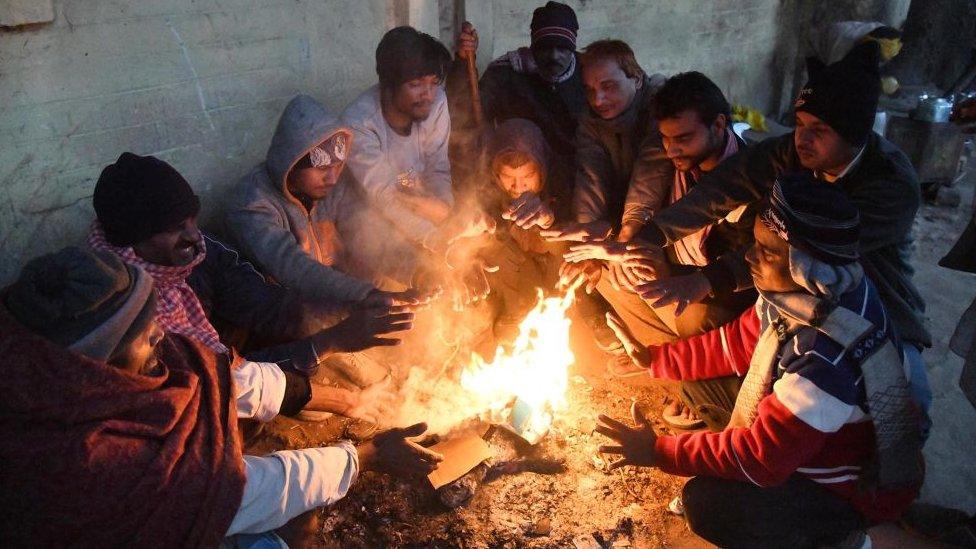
[814, 423]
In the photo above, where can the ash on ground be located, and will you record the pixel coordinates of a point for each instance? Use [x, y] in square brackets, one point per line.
[558, 493]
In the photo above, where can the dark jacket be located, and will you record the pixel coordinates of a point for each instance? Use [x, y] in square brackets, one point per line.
[883, 185]
[622, 171]
[263, 320]
[726, 247]
[507, 94]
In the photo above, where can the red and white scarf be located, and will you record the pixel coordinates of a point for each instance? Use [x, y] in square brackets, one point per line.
[178, 310]
[690, 250]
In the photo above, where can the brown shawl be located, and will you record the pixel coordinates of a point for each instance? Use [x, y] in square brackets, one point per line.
[94, 456]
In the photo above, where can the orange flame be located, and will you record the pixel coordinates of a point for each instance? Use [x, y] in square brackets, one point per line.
[534, 370]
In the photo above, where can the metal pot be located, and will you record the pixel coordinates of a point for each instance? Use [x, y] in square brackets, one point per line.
[933, 109]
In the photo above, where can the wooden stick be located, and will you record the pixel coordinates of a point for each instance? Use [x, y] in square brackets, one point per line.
[475, 92]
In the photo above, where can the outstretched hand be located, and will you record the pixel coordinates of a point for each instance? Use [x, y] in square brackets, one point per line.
[578, 232]
[679, 290]
[393, 451]
[637, 352]
[529, 210]
[586, 272]
[634, 444]
[412, 298]
[363, 328]
[374, 403]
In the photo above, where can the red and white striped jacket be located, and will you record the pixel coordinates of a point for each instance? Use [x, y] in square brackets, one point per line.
[814, 423]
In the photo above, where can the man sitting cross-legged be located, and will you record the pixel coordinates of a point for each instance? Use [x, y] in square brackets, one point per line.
[114, 435]
[824, 438]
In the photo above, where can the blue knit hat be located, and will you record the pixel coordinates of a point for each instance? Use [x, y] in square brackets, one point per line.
[814, 216]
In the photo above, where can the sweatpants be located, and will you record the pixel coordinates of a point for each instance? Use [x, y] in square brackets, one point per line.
[729, 513]
[798, 513]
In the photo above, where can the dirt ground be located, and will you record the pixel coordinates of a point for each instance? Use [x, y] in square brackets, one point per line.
[555, 494]
[573, 501]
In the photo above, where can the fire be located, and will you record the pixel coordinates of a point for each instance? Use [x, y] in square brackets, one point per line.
[534, 371]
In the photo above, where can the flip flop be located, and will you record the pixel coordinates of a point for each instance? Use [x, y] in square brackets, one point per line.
[673, 418]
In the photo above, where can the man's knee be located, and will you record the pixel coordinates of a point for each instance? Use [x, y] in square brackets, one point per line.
[703, 507]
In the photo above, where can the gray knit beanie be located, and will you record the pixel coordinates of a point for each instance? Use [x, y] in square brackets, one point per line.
[86, 301]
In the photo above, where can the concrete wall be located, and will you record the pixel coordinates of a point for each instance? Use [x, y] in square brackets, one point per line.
[201, 83]
[732, 41]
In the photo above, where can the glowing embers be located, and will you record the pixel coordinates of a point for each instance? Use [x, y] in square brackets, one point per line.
[525, 385]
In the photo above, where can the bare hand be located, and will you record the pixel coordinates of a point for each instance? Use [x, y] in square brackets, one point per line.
[362, 329]
[681, 290]
[413, 299]
[467, 40]
[471, 284]
[578, 232]
[607, 250]
[636, 445]
[393, 452]
[528, 210]
[429, 207]
[372, 403]
[640, 354]
[588, 271]
[622, 277]
[646, 261]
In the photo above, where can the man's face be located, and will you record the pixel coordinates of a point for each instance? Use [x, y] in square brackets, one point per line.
[515, 181]
[769, 261]
[608, 89]
[139, 357]
[552, 61]
[819, 147]
[415, 98]
[315, 183]
[177, 246]
[688, 141]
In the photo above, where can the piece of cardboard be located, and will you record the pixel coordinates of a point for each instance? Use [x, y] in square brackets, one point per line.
[460, 456]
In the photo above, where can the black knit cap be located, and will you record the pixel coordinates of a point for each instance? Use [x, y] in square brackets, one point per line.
[814, 216]
[140, 196]
[844, 95]
[404, 54]
[554, 25]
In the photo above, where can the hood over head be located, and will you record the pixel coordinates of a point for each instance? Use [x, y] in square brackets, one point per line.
[521, 136]
[304, 124]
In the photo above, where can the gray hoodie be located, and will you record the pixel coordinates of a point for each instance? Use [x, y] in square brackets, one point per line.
[299, 248]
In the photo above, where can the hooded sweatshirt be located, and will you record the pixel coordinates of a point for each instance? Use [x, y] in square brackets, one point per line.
[300, 247]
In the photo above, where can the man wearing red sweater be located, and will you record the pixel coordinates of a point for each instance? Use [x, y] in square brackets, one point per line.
[823, 439]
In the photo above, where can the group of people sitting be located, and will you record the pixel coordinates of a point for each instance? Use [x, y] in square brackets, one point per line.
[772, 280]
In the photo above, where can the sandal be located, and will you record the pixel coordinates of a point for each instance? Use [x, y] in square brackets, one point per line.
[620, 365]
[680, 417]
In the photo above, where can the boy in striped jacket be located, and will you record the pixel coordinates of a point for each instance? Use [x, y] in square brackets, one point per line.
[823, 438]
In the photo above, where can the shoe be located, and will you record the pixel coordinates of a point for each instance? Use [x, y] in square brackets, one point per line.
[604, 337]
[621, 366]
[313, 416]
[674, 416]
[676, 507]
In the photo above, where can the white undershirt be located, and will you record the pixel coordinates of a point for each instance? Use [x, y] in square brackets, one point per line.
[285, 484]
